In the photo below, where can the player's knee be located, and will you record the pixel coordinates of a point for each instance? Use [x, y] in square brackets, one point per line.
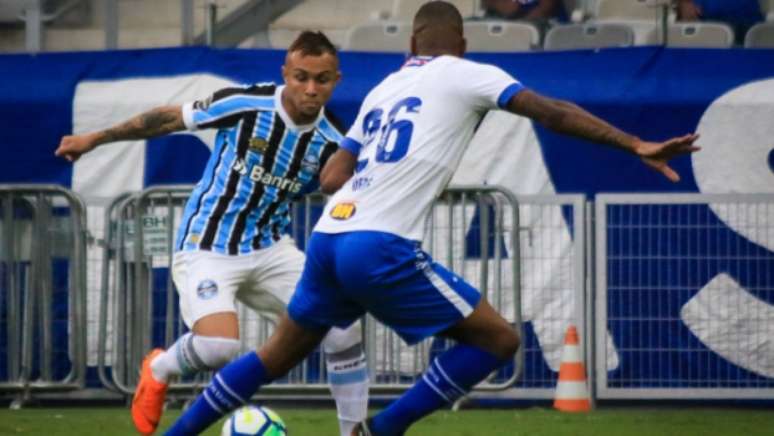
[507, 343]
[339, 340]
[215, 352]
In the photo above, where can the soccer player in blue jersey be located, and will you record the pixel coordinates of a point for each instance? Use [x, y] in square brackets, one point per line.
[365, 253]
[232, 243]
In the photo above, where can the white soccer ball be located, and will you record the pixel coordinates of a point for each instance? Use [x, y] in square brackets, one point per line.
[254, 421]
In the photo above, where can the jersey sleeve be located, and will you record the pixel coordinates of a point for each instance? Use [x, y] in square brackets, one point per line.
[486, 86]
[363, 128]
[224, 108]
[353, 140]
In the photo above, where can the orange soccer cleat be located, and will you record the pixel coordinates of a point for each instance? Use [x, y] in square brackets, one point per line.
[148, 401]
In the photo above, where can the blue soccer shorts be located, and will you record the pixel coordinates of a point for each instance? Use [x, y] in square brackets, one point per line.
[348, 274]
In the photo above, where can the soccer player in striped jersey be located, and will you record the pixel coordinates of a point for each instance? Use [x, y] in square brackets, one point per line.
[365, 254]
[232, 243]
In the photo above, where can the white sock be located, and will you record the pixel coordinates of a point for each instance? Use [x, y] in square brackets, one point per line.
[193, 353]
[348, 378]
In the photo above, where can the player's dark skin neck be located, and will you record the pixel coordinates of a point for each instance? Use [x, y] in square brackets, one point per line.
[435, 53]
[454, 46]
[295, 114]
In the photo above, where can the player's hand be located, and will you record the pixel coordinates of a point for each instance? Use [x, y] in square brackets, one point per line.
[657, 154]
[72, 147]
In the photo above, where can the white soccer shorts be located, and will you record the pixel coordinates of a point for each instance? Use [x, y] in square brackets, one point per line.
[263, 280]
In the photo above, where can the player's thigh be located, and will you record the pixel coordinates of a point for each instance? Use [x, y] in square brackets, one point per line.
[318, 301]
[275, 274]
[485, 328]
[207, 284]
[426, 300]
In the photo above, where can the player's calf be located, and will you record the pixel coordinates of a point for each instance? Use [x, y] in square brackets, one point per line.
[233, 385]
[486, 329]
[486, 342]
[194, 353]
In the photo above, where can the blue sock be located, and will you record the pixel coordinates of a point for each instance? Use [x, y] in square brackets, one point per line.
[450, 376]
[231, 387]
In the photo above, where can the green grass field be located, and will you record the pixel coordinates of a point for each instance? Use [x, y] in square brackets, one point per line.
[517, 422]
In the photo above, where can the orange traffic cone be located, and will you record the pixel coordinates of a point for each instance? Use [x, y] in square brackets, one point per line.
[572, 394]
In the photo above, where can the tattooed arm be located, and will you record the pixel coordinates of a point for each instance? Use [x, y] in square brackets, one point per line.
[156, 122]
[567, 118]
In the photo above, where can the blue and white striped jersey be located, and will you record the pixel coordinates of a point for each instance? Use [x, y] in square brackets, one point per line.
[260, 163]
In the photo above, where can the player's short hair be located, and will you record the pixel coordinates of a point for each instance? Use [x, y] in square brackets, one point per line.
[311, 43]
[437, 28]
[437, 13]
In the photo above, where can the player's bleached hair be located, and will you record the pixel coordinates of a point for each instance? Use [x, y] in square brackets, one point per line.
[311, 43]
[437, 25]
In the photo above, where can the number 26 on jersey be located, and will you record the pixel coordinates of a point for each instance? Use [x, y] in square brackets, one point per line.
[393, 133]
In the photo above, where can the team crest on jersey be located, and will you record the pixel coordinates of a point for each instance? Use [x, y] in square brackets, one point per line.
[258, 145]
[207, 289]
[343, 211]
[311, 163]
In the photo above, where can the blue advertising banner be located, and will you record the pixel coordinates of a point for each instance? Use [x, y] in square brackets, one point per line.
[654, 93]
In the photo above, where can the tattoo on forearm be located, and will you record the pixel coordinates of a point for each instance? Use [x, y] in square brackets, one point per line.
[586, 125]
[156, 122]
[568, 118]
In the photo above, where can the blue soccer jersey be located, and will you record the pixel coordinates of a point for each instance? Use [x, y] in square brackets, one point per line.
[260, 163]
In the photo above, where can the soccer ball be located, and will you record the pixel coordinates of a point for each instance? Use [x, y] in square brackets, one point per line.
[254, 421]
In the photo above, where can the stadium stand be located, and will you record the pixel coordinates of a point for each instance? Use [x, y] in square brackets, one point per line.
[81, 25]
[706, 35]
[336, 19]
[760, 35]
[390, 37]
[501, 36]
[643, 16]
[581, 36]
[404, 10]
[767, 7]
[11, 10]
[159, 23]
[628, 9]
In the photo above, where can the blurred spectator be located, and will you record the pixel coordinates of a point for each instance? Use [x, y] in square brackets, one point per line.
[533, 10]
[740, 14]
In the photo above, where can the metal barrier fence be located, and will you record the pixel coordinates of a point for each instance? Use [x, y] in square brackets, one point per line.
[685, 282]
[481, 235]
[554, 284]
[42, 290]
[139, 310]
[683, 295]
[472, 230]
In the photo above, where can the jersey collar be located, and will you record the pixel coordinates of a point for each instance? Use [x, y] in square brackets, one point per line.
[286, 118]
[417, 61]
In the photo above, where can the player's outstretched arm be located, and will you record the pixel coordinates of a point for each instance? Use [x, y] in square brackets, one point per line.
[337, 171]
[567, 118]
[156, 122]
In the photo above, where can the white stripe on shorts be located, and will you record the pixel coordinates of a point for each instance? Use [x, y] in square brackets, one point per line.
[446, 290]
